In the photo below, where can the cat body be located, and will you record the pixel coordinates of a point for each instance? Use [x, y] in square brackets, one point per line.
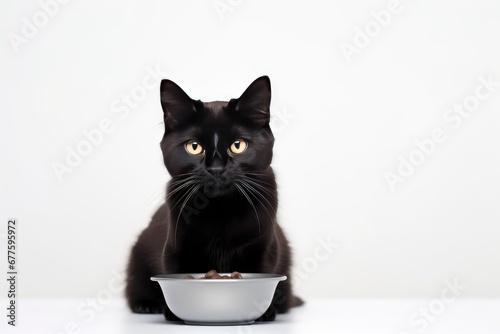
[221, 202]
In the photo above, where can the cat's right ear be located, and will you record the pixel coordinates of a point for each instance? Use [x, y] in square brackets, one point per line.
[178, 107]
[254, 103]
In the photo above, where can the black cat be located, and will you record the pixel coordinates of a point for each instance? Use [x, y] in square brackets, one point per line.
[221, 203]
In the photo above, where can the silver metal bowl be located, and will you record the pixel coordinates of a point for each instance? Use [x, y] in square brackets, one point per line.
[218, 301]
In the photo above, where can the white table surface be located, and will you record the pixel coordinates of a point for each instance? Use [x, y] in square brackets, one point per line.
[57, 316]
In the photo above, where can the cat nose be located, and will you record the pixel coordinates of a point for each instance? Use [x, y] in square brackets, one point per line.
[216, 171]
[217, 165]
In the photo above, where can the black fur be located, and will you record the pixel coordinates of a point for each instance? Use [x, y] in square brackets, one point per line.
[220, 209]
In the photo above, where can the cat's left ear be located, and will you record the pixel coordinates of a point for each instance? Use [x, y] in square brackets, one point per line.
[178, 107]
[255, 102]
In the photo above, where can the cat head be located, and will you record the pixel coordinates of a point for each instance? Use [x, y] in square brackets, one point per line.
[217, 143]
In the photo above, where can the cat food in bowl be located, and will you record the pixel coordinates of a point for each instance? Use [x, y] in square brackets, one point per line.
[213, 274]
[218, 299]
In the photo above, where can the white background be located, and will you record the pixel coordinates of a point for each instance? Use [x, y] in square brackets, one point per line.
[347, 124]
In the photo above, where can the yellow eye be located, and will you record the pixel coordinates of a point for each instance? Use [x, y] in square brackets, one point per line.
[193, 147]
[239, 146]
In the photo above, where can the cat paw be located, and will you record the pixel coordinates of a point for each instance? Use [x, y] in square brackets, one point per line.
[269, 315]
[169, 316]
[146, 306]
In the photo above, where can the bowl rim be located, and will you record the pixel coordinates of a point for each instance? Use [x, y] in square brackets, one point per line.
[179, 277]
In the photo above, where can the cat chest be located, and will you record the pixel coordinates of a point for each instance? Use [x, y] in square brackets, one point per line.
[221, 258]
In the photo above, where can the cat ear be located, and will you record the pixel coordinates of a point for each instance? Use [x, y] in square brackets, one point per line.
[178, 107]
[255, 101]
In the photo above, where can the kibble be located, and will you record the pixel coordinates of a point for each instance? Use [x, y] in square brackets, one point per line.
[213, 274]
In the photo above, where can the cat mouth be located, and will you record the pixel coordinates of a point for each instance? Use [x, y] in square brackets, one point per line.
[215, 188]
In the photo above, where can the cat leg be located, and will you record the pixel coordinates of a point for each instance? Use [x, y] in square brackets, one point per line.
[169, 316]
[143, 295]
[282, 301]
[282, 298]
[269, 315]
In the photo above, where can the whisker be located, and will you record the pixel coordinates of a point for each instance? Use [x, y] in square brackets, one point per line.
[243, 192]
[254, 191]
[262, 111]
[152, 197]
[259, 186]
[178, 200]
[180, 180]
[161, 123]
[191, 193]
[178, 185]
[183, 174]
[179, 188]
[175, 204]
[250, 176]
[191, 186]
